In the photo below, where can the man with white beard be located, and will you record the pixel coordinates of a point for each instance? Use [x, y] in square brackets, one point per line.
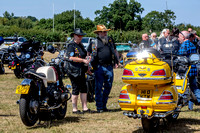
[104, 58]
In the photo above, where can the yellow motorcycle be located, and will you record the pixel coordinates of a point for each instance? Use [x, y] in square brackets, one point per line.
[154, 91]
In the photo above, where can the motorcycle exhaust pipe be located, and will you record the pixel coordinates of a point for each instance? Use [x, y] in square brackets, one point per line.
[64, 96]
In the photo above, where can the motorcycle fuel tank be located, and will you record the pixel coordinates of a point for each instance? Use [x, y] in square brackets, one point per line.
[50, 73]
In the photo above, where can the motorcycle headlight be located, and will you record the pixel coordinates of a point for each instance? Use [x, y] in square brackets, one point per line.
[27, 56]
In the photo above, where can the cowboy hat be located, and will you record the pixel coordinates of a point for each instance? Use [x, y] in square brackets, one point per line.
[101, 27]
[78, 31]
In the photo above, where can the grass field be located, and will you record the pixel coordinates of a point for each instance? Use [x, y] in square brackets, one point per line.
[109, 122]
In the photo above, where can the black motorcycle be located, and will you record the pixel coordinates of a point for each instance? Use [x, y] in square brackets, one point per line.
[26, 59]
[43, 95]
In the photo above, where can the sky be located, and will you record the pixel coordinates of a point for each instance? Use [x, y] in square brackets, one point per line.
[186, 11]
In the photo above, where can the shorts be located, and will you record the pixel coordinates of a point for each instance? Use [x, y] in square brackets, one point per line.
[78, 84]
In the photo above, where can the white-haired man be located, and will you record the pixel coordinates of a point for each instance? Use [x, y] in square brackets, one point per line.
[163, 39]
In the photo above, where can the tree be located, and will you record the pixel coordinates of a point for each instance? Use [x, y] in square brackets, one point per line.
[65, 21]
[8, 15]
[34, 19]
[121, 15]
[157, 21]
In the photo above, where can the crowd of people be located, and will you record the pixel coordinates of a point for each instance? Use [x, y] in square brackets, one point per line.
[184, 43]
[103, 57]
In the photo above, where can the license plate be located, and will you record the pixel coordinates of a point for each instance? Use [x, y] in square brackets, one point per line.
[144, 93]
[22, 89]
[13, 67]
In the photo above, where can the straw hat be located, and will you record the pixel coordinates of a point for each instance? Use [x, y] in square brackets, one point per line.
[101, 27]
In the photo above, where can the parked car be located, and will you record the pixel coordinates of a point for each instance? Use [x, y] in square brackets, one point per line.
[12, 41]
[86, 41]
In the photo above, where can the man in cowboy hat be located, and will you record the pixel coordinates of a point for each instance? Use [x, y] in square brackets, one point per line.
[104, 58]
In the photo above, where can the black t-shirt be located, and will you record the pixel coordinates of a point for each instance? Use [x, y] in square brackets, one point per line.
[104, 53]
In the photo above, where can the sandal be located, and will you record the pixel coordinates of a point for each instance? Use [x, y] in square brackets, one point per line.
[88, 111]
[77, 112]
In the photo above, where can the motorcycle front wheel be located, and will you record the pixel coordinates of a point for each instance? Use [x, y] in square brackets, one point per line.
[61, 111]
[18, 73]
[27, 116]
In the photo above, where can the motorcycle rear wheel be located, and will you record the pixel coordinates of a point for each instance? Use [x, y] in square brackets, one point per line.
[149, 125]
[28, 118]
[61, 111]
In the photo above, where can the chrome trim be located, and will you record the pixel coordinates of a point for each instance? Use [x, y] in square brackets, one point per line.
[158, 70]
[132, 78]
[160, 115]
[144, 99]
[184, 79]
[124, 101]
[165, 102]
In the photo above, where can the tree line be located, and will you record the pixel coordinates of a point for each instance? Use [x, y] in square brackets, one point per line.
[124, 18]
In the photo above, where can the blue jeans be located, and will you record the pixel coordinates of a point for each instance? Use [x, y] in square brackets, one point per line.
[103, 78]
[194, 88]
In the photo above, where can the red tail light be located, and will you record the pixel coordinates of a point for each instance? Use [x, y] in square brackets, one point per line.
[143, 107]
[166, 95]
[128, 72]
[124, 94]
[13, 62]
[159, 73]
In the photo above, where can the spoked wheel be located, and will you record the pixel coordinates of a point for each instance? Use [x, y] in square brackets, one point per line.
[28, 116]
[61, 111]
[149, 125]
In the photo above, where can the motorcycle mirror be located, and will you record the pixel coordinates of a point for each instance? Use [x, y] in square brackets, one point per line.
[194, 58]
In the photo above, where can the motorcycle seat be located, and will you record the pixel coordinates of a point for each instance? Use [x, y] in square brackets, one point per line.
[40, 75]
